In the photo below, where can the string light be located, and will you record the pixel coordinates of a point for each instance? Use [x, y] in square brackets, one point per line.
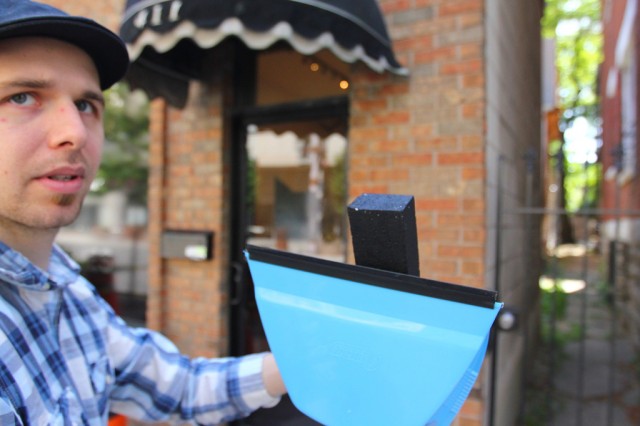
[316, 64]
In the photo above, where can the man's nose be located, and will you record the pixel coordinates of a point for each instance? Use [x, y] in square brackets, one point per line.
[67, 128]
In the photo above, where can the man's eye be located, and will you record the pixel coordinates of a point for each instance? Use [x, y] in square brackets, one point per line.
[84, 106]
[24, 99]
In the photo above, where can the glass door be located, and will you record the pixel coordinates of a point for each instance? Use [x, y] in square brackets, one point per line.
[288, 171]
[296, 192]
[291, 184]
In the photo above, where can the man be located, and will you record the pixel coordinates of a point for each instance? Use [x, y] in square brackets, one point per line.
[65, 357]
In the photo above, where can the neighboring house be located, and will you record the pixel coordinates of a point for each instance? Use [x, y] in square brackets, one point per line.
[619, 99]
[442, 103]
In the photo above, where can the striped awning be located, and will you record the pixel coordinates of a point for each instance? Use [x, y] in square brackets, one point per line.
[164, 37]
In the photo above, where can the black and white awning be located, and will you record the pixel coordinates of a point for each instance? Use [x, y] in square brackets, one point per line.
[162, 35]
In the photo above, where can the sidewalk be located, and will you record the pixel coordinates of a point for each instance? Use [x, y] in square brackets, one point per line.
[596, 381]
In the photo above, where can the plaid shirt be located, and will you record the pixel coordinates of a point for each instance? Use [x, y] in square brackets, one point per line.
[67, 359]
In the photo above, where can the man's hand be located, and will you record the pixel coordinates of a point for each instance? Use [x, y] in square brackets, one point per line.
[271, 377]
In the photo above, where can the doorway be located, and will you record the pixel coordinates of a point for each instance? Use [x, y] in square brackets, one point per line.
[289, 184]
[289, 180]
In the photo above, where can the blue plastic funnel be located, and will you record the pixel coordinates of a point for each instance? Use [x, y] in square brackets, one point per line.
[362, 346]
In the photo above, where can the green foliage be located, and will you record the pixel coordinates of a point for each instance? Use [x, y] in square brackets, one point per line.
[556, 331]
[582, 184]
[577, 29]
[554, 304]
[124, 162]
[576, 26]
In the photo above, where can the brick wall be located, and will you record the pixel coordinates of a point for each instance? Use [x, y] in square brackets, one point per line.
[106, 12]
[424, 134]
[615, 196]
[627, 297]
[622, 229]
[187, 300]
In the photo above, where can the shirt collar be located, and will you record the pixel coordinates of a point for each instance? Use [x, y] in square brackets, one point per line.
[18, 270]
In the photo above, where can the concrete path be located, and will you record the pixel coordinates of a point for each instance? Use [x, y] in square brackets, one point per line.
[596, 380]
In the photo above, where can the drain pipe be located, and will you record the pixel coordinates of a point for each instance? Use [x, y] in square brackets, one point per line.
[496, 287]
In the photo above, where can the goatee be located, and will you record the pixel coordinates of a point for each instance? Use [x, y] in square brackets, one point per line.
[64, 200]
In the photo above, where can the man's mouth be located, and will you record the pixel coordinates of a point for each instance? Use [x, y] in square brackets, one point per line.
[62, 181]
[63, 178]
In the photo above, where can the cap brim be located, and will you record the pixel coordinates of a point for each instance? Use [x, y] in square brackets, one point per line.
[107, 50]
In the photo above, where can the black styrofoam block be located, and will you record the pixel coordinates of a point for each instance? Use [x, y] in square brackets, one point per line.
[383, 230]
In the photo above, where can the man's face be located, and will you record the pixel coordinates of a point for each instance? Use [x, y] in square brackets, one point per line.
[51, 132]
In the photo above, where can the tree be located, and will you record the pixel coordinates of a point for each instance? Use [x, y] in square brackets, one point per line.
[576, 26]
[577, 29]
[124, 164]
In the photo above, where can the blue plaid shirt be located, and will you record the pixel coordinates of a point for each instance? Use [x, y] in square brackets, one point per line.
[67, 359]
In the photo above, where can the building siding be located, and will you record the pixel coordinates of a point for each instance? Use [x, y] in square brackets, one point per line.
[513, 115]
[622, 224]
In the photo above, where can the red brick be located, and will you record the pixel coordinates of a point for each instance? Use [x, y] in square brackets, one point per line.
[360, 175]
[469, 422]
[414, 44]
[389, 146]
[357, 162]
[458, 251]
[368, 133]
[404, 160]
[474, 235]
[472, 267]
[389, 175]
[433, 55]
[460, 7]
[423, 3]
[369, 105]
[471, 142]
[460, 158]
[432, 267]
[437, 144]
[470, 20]
[369, 188]
[400, 117]
[440, 235]
[470, 50]
[473, 173]
[472, 407]
[421, 130]
[389, 6]
[394, 89]
[438, 204]
[467, 219]
[473, 80]
[473, 110]
[467, 66]
[474, 204]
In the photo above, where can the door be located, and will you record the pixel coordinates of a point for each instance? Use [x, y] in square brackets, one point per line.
[289, 183]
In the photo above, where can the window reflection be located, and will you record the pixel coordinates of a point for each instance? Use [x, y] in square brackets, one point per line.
[297, 191]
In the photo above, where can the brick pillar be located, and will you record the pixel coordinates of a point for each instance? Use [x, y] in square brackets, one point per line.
[187, 301]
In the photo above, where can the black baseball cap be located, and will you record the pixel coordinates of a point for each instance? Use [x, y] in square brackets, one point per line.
[22, 18]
